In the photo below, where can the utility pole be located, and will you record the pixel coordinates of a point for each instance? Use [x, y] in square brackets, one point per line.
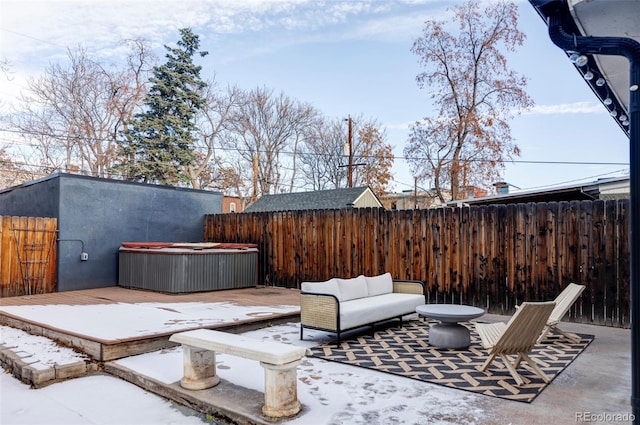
[348, 150]
[254, 198]
[350, 141]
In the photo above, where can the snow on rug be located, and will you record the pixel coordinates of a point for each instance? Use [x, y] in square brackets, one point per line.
[406, 352]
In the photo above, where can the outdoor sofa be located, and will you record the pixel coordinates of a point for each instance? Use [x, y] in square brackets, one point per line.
[338, 305]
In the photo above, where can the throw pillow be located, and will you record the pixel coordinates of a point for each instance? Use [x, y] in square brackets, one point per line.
[351, 289]
[378, 285]
[329, 287]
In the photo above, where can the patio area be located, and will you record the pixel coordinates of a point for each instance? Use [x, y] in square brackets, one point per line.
[596, 385]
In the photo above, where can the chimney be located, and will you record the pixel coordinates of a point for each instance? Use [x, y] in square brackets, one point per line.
[502, 188]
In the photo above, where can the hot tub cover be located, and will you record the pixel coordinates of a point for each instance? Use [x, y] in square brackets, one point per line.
[188, 245]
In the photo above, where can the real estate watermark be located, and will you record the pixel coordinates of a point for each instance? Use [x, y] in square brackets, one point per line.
[605, 417]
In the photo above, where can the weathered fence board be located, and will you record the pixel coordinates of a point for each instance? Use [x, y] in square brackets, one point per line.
[493, 256]
[27, 255]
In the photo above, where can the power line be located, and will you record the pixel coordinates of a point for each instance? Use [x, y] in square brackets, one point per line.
[53, 168]
[412, 185]
[25, 134]
[34, 38]
[236, 149]
[577, 180]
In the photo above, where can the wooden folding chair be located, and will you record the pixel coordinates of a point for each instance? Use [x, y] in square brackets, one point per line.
[517, 337]
[563, 301]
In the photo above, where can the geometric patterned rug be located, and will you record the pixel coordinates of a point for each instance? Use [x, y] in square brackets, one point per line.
[406, 352]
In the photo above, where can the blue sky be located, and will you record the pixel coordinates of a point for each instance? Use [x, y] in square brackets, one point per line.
[343, 57]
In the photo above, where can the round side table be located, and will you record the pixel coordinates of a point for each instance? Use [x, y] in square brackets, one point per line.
[449, 333]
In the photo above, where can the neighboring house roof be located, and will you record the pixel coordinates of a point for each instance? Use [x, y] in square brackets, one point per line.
[357, 197]
[609, 188]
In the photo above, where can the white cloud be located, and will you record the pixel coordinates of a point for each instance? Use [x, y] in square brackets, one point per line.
[36, 26]
[407, 27]
[558, 109]
[567, 108]
[400, 125]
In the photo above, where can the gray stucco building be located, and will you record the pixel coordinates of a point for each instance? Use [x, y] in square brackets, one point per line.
[96, 215]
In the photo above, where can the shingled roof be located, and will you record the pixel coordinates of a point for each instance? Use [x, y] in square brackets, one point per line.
[318, 200]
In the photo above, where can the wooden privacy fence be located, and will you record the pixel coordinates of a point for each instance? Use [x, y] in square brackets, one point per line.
[489, 256]
[27, 255]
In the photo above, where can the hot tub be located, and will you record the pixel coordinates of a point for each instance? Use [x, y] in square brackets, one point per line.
[187, 267]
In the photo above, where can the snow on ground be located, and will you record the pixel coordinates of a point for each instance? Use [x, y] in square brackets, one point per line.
[40, 352]
[333, 393]
[97, 399]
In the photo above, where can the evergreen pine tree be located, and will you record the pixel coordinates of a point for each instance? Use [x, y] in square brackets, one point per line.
[159, 144]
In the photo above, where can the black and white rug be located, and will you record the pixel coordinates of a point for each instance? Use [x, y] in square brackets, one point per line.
[406, 352]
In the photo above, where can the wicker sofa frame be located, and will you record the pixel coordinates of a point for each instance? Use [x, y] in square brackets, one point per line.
[322, 311]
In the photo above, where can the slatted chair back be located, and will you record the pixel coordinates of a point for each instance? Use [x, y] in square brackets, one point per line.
[523, 329]
[564, 301]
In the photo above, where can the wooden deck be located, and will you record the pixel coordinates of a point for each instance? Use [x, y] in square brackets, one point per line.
[105, 350]
[116, 294]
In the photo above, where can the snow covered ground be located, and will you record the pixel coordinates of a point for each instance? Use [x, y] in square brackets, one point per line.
[332, 393]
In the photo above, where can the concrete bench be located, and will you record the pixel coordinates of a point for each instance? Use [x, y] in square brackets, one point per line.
[279, 361]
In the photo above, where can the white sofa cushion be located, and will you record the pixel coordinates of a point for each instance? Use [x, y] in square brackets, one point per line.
[351, 289]
[378, 285]
[364, 311]
[329, 287]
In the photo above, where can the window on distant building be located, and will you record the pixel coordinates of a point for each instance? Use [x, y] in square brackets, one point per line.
[232, 207]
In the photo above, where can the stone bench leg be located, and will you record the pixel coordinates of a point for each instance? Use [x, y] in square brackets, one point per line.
[280, 390]
[199, 368]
